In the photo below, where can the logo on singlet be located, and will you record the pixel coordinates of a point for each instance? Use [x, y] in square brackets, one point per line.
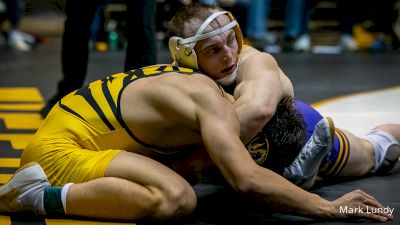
[258, 149]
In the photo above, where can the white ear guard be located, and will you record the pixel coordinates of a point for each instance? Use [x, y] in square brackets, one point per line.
[182, 50]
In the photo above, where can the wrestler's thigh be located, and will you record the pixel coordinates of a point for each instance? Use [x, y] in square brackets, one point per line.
[144, 171]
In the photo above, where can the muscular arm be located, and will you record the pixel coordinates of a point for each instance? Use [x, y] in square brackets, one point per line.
[261, 85]
[219, 127]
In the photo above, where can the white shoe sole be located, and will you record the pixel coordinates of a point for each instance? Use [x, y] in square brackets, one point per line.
[307, 177]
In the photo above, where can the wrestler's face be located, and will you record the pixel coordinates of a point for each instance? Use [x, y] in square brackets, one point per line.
[216, 56]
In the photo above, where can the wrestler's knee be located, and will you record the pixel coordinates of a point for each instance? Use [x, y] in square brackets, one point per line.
[174, 202]
[393, 129]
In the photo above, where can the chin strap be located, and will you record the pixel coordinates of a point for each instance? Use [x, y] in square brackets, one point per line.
[230, 79]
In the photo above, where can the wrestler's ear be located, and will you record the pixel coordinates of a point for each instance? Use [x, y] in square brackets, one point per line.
[182, 54]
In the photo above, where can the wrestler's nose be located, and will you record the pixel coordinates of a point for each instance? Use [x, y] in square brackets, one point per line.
[227, 55]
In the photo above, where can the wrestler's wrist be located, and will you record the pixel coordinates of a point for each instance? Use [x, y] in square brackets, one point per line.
[325, 209]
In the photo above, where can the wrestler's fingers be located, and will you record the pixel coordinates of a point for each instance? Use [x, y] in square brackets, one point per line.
[370, 200]
[373, 203]
[375, 213]
[373, 216]
[365, 194]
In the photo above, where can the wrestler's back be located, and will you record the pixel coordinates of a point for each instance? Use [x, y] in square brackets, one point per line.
[149, 109]
[139, 125]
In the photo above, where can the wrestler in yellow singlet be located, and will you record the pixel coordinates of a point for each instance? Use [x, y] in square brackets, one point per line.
[87, 119]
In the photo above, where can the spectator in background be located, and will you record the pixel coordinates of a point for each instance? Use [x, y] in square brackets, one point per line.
[302, 40]
[98, 31]
[396, 30]
[256, 22]
[382, 21]
[17, 39]
[297, 17]
[141, 49]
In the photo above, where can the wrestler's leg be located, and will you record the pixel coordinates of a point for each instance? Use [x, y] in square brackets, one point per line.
[134, 187]
[361, 156]
[366, 155]
[393, 129]
[385, 139]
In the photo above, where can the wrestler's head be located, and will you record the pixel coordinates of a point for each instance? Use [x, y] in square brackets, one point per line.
[206, 38]
[281, 139]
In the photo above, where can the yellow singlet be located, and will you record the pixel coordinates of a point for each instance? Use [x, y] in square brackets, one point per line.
[84, 131]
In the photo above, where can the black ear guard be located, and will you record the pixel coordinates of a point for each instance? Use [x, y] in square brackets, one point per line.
[182, 49]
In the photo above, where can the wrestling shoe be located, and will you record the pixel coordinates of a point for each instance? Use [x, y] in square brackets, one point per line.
[391, 163]
[24, 191]
[304, 169]
[21, 41]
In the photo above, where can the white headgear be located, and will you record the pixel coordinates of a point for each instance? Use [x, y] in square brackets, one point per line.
[182, 49]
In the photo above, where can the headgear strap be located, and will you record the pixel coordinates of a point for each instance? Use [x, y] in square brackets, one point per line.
[199, 34]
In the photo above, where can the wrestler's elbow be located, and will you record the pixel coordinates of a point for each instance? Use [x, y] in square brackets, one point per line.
[262, 114]
[242, 186]
[245, 183]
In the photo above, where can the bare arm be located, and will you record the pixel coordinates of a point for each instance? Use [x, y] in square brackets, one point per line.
[219, 127]
[261, 85]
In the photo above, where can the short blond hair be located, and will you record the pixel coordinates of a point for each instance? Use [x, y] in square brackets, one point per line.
[176, 26]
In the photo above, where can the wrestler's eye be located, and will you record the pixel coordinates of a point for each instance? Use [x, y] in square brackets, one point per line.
[212, 51]
[231, 39]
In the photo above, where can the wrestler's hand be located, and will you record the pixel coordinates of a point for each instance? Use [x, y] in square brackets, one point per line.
[359, 204]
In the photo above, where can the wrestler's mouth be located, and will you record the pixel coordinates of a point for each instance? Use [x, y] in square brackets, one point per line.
[229, 70]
